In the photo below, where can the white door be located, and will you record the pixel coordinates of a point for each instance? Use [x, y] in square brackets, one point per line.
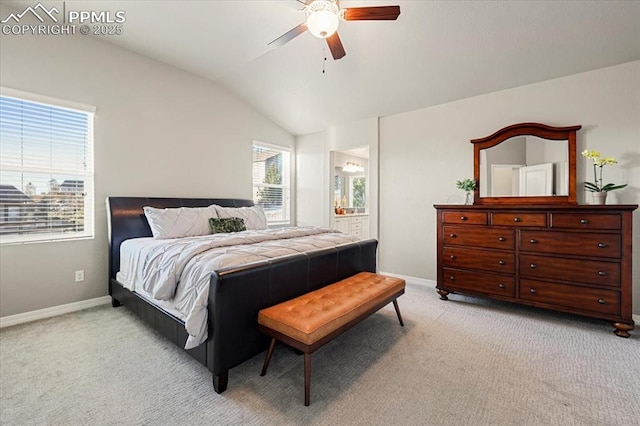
[536, 180]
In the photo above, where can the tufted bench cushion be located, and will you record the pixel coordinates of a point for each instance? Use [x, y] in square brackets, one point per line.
[313, 319]
[312, 316]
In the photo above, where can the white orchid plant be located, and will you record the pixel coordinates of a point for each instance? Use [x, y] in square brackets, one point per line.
[598, 163]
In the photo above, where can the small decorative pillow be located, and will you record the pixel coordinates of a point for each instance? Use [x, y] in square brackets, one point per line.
[179, 222]
[253, 217]
[228, 224]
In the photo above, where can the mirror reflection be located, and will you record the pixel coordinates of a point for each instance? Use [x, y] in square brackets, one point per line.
[349, 183]
[525, 166]
[349, 189]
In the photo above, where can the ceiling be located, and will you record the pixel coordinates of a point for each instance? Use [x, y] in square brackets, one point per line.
[436, 52]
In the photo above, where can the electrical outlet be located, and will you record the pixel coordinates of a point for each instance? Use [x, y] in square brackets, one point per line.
[80, 275]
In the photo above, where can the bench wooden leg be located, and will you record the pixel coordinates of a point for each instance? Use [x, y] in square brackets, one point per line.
[395, 305]
[267, 359]
[307, 379]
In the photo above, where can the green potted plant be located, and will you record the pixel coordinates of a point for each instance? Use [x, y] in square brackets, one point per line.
[468, 186]
[596, 187]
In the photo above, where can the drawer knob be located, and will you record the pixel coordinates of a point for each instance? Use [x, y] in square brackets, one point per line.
[533, 241]
[602, 301]
[533, 266]
[584, 221]
[452, 235]
[501, 285]
[452, 257]
[452, 278]
[501, 262]
[502, 239]
[533, 291]
[602, 245]
[516, 219]
[463, 218]
[602, 273]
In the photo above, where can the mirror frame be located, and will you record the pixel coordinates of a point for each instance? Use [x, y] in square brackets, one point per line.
[528, 129]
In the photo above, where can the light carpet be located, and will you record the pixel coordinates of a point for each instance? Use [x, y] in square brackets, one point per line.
[465, 361]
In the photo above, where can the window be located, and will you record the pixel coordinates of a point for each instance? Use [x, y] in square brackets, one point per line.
[271, 182]
[46, 168]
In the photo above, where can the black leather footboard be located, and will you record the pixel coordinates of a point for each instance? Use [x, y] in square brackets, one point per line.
[237, 294]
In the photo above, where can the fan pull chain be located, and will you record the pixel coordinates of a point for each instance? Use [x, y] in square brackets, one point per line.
[324, 54]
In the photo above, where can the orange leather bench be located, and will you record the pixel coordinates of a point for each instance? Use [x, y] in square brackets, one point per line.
[313, 319]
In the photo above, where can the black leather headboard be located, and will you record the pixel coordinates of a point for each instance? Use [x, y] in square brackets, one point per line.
[126, 218]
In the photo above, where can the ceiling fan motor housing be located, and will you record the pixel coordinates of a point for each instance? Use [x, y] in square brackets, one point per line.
[323, 18]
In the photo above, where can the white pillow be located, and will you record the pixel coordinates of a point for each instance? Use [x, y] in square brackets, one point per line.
[253, 217]
[179, 222]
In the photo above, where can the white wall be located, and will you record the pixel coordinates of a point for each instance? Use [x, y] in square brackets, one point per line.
[312, 164]
[423, 153]
[159, 131]
[313, 177]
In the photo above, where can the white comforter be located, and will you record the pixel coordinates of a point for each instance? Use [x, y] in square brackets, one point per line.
[177, 272]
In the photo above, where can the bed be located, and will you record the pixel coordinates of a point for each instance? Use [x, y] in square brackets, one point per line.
[235, 293]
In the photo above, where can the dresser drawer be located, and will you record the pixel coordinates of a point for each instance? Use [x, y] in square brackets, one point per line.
[519, 219]
[479, 237]
[480, 282]
[585, 221]
[580, 271]
[573, 297]
[494, 261]
[472, 218]
[575, 243]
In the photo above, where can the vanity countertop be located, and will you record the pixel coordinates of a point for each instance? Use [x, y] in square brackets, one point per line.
[351, 215]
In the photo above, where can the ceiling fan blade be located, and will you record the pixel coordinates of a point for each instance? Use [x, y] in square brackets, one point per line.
[289, 35]
[335, 45]
[373, 13]
[304, 1]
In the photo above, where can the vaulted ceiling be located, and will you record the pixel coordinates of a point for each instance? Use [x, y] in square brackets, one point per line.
[435, 52]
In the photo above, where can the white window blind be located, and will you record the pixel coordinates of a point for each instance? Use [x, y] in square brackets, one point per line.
[271, 182]
[46, 170]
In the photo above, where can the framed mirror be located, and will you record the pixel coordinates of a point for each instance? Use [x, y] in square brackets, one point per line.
[526, 163]
[349, 181]
[349, 188]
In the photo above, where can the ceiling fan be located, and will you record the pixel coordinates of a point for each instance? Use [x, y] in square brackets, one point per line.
[323, 18]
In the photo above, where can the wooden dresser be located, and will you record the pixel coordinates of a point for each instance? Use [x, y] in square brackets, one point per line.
[574, 259]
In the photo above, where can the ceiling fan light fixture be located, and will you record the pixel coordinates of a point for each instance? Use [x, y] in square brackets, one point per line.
[322, 18]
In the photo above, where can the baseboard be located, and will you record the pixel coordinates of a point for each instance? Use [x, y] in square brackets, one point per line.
[414, 280]
[53, 311]
[430, 283]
